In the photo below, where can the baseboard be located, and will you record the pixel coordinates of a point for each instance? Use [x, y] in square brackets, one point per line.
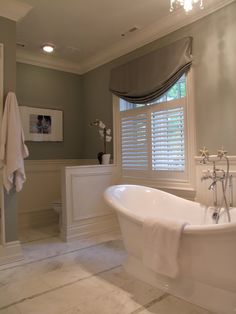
[10, 253]
[38, 218]
[88, 227]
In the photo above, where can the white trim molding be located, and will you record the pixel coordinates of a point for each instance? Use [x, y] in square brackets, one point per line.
[82, 183]
[47, 61]
[90, 227]
[44, 185]
[84, 212]
[14, 10]
[57, 163]
[169, 24]
[162, 27]
[181, 186]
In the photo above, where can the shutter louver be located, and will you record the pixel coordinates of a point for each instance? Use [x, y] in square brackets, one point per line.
[134, 142]
[168, 152]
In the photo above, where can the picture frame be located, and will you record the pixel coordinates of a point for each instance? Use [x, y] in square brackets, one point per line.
[41, 124]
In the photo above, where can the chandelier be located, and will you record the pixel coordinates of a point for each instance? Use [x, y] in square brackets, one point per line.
[186, 4]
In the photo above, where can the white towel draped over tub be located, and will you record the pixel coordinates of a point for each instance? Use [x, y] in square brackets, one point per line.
[12, 147]
[161, 242]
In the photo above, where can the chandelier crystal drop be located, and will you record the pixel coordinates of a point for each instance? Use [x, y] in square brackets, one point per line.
[186, 4]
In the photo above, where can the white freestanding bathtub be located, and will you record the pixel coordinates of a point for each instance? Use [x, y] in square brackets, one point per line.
[207, 254]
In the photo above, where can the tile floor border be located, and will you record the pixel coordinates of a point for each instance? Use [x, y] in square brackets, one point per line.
[22, 263]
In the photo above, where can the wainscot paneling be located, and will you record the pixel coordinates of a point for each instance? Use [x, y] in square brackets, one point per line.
[84, 212]
[42, 187]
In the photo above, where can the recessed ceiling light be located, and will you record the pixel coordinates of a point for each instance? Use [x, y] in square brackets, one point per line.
[49, 48]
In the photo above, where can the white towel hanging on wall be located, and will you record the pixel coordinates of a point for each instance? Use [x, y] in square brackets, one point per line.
[12, 147]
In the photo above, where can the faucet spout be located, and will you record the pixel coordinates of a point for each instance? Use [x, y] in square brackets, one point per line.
[218, 175]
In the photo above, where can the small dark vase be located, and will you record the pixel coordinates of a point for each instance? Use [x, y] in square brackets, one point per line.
[99, 156]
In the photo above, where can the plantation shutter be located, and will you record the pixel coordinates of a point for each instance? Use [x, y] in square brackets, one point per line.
[168, 151]
[134, 141]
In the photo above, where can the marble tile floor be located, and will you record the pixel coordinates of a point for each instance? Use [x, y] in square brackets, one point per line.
[84, 276]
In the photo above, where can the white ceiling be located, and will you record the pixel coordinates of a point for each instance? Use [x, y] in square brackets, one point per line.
[87, 33]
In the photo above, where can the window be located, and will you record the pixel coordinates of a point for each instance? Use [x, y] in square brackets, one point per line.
[168, 146]
[156, 140]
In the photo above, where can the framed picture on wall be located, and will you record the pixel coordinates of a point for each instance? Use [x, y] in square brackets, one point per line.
[41, 124]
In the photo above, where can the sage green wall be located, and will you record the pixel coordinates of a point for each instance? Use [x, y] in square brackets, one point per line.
[85, 98]
[47, 88]
[214, 65]
[8, 39]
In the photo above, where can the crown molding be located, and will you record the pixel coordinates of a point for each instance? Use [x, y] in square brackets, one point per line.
[168, 24]
[50, 62]
[13, 9]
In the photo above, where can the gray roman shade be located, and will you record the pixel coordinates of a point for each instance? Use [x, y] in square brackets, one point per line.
[148, 77]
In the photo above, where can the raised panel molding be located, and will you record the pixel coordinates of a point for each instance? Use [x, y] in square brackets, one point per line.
[84, 212]
[84, 206]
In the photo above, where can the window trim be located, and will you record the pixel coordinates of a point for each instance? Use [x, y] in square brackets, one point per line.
[188, 183]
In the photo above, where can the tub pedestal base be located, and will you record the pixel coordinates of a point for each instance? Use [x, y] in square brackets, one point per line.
[209, 297]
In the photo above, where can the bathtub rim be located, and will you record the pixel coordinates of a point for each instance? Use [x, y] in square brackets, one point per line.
[189, 229]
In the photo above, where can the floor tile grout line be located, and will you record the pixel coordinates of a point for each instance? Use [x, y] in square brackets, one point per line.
[53, 256]
[149, 304]
[59, 287]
